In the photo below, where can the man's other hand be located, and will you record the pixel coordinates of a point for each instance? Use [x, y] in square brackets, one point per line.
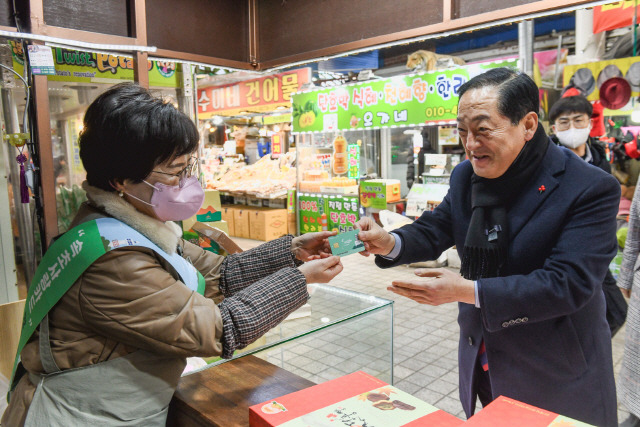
[435, 286]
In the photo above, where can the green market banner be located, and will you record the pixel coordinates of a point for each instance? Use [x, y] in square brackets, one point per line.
[408, 100]
[337, 212]
[91, 67]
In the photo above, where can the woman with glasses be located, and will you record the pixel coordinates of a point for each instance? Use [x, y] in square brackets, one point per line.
[121, 300]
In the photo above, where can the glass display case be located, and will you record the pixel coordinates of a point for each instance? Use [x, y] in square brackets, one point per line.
[336, 333]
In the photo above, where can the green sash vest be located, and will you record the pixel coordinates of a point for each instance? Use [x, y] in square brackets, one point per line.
[70, 255]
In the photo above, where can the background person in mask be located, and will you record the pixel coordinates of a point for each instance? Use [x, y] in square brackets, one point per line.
[571, 123]
[112, 349]
[570, 120]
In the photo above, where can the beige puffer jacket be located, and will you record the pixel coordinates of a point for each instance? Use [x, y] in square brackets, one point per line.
[131, 299]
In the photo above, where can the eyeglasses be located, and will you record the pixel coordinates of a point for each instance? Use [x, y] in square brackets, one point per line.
[185, 173]
[564, 123]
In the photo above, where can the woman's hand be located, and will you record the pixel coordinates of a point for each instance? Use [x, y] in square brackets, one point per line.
[321, 270]
[312, 246]
[375, 239]
[626, 292]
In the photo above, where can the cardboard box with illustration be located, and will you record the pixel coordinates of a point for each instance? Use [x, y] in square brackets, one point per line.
[357, 399]
[376, 193]
[215, 235]
[209, 212]
[204, 242]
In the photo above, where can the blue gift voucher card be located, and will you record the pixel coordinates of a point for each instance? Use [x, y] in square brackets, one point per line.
[347, 243]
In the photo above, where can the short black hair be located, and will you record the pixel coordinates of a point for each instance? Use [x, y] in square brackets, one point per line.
[128, 132]
[570, 104]
[517, 92]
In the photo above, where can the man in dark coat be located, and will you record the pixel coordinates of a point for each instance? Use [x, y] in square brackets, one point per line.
[535, 229]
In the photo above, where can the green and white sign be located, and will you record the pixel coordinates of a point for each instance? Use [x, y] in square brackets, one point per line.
[408, 100]
[310, 209]
[339, 212]
[373, 194]
[353, 160]
[342, 212]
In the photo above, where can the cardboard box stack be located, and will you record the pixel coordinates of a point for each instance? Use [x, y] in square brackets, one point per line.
[211, 214]
[256, 223]
[227, 215]
[356, 399]
[267, 224]
[241, 216]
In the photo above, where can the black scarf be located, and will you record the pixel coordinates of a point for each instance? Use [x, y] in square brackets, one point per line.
[487, 243]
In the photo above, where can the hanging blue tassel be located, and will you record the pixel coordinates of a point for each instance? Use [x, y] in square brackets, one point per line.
[24, 190]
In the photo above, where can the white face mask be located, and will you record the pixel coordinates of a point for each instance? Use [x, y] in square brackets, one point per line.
[572, 137]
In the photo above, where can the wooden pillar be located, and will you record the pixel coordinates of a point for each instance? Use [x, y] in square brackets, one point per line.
[140, 69]
[40, 92]
[254, 36]
[140, 59]
[447, 10]
[45, 148]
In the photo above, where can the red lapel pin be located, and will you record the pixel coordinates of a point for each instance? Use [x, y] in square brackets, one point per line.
[541, 189]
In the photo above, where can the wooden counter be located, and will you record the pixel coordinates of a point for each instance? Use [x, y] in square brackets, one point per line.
[220, 396]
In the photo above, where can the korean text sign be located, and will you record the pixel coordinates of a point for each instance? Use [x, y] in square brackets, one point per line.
[340, 212]
[398, 101]
[257, 95]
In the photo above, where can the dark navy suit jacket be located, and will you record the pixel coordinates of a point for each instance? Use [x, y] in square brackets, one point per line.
[543, 321]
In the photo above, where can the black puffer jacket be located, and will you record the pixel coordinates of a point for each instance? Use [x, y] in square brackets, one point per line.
[597, 152]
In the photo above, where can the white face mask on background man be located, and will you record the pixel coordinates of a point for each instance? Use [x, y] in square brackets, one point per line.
[572, 137]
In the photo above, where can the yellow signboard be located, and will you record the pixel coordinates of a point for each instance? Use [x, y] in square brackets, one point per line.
[92, 67]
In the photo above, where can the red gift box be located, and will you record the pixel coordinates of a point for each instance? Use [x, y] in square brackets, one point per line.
[507, 412]
[354, 400]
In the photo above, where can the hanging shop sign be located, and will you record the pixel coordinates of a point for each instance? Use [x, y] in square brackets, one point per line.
[409, 100]
[614, 15]
[353, 160]
[252, 96]
[91, 67]
[276, 143]
[590, 76]
[319, 212]
[41, 60]
[272, 120]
